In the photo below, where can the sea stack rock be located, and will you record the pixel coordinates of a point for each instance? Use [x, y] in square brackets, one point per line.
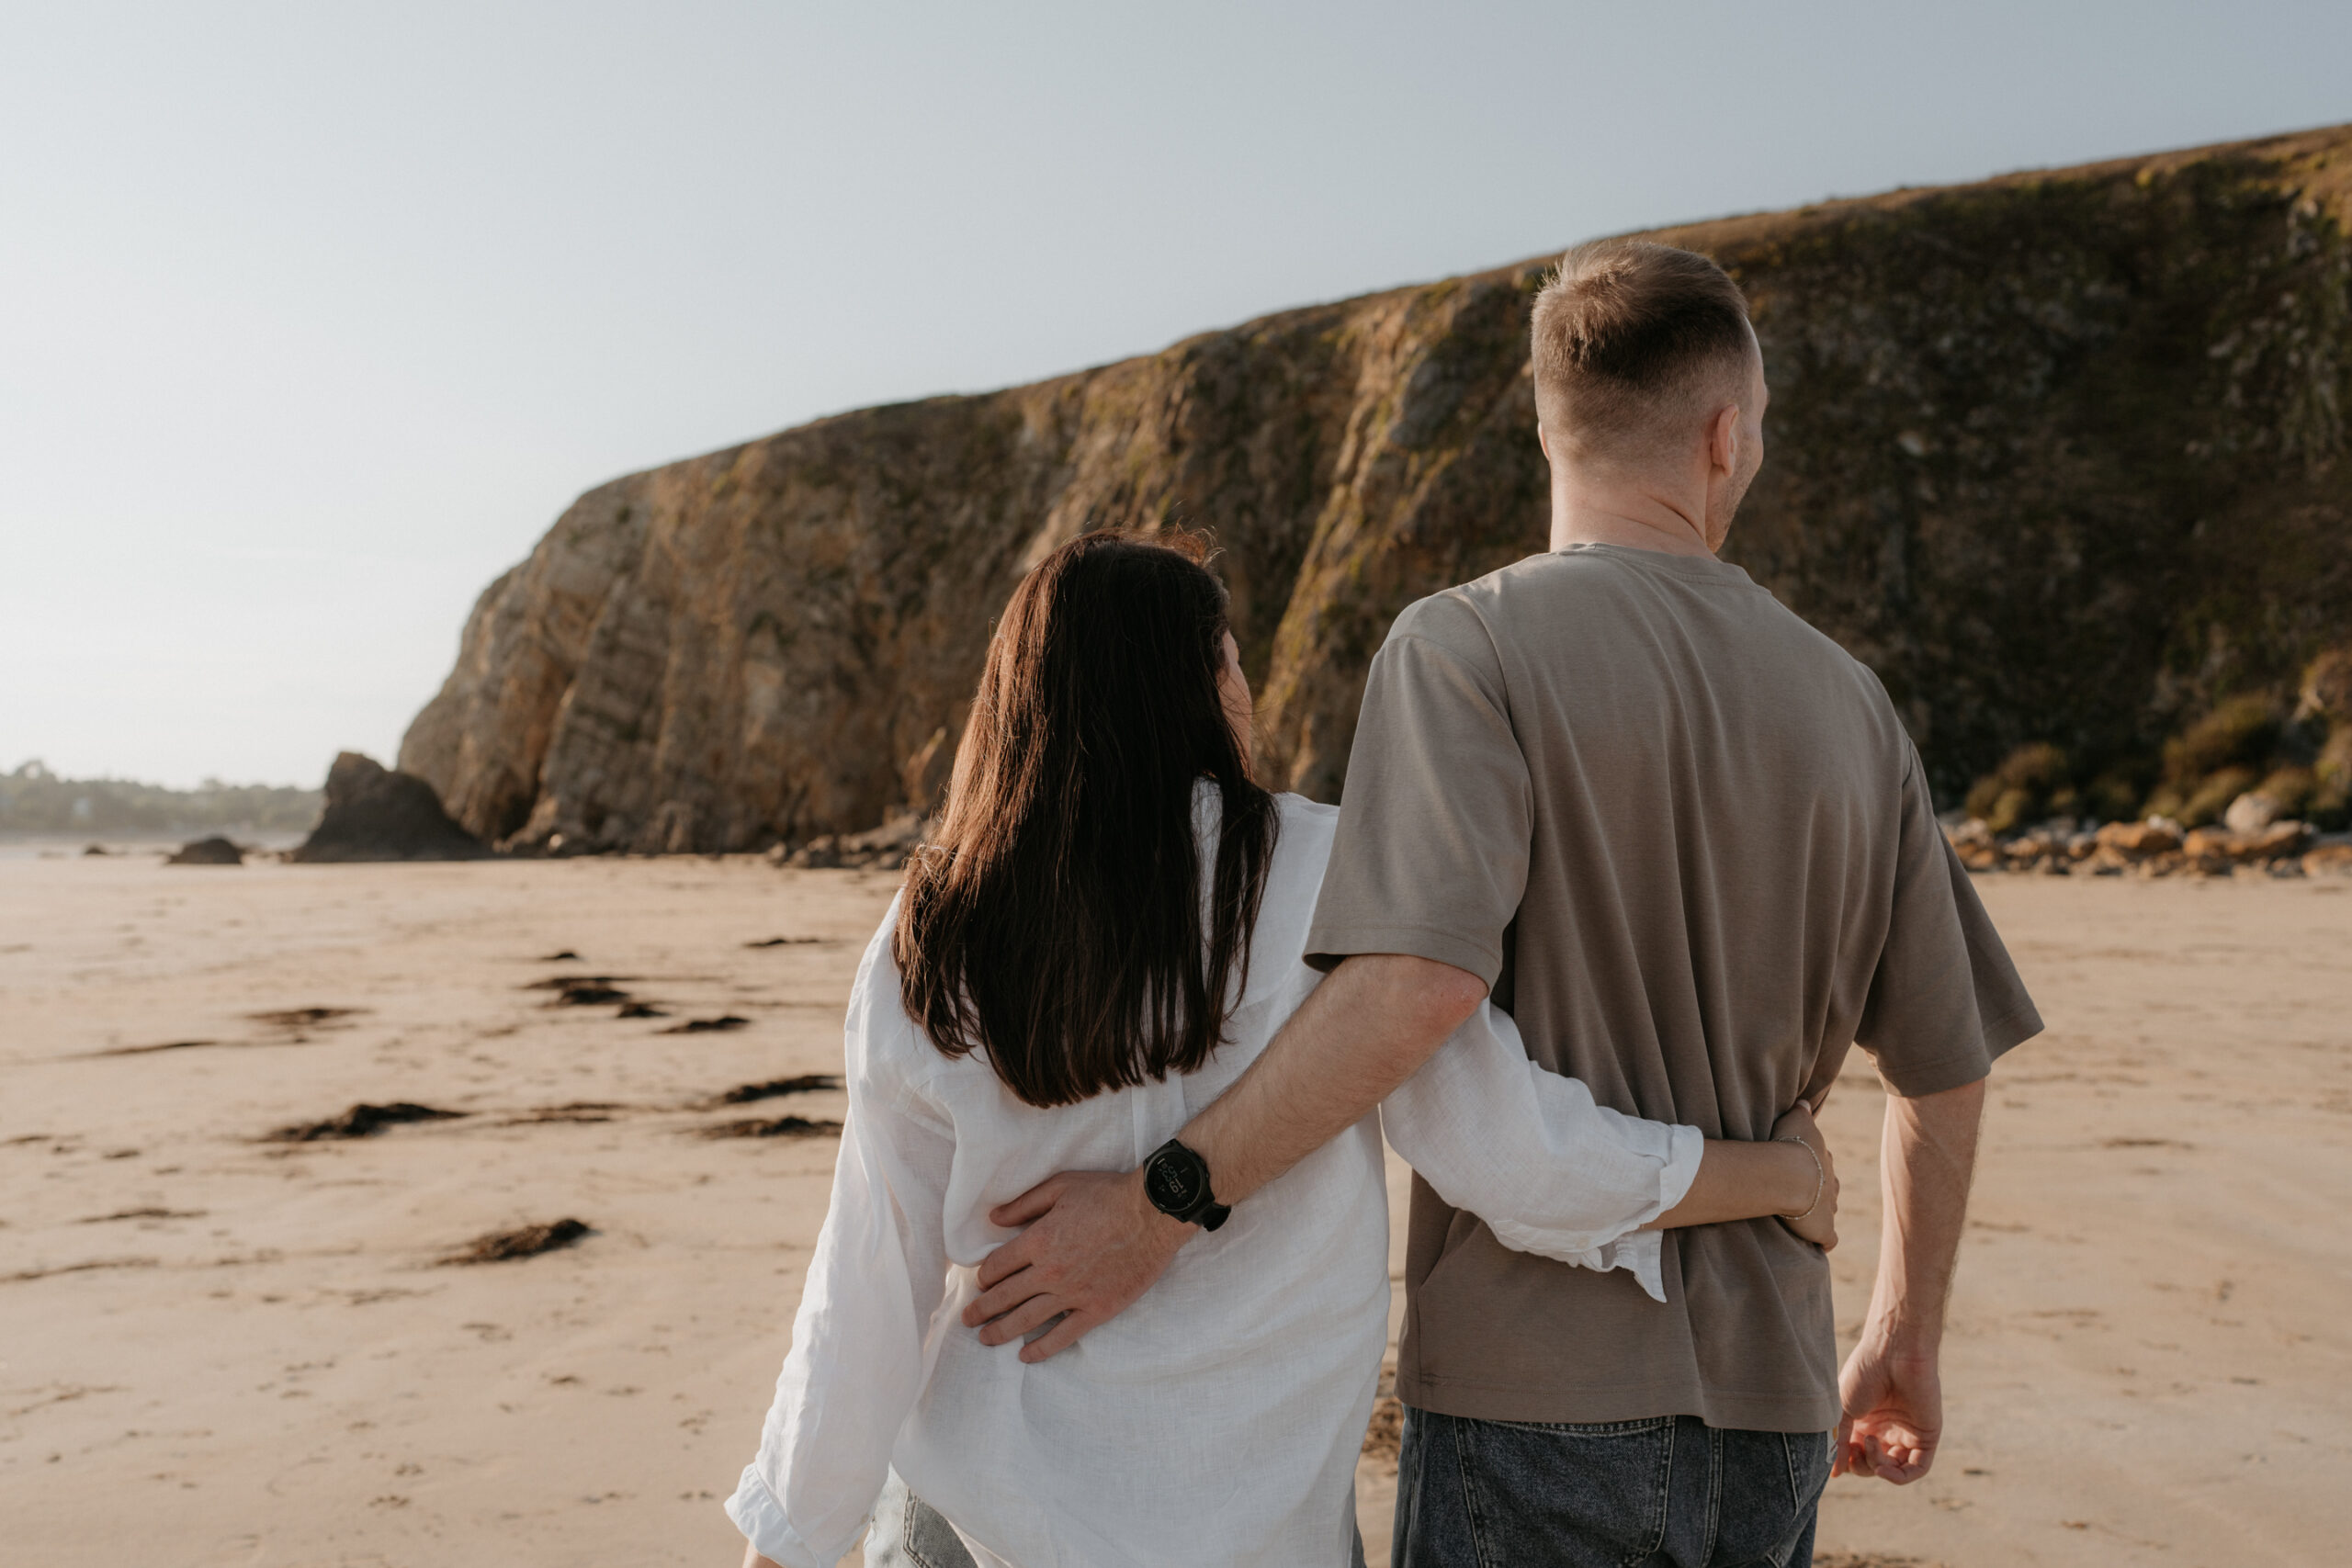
[375, 814]
[207, 851]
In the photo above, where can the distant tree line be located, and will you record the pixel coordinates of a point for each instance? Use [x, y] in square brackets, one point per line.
[34, 800]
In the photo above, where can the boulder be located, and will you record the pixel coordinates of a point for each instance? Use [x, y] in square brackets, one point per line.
[2278, 842]
[2136, 840]
[2211, 846]
[375, 814]
[2209, 849]
[2329, 860]
[2251, 813]
[1980, 857]
[207, 851]
[885, 848]
[1978, 853]
[2026, 852]
[1968, 831]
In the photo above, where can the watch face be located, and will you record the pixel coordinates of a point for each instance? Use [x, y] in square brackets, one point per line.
[1173, 1181]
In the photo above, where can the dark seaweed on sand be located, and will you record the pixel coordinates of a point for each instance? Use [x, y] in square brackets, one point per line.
[806, 1083]
[361, 1122]
[151, 1050]
[578, 1110]
[708, 1025]
[303, 1018]
[530, 1241]
[782, 1127]
[582, 990]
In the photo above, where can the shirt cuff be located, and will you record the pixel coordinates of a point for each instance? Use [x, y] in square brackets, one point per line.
[761, 1519]
[1640, 1253]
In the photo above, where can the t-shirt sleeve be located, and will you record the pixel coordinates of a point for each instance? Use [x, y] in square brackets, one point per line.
[1431, 855]
[1946, 1000]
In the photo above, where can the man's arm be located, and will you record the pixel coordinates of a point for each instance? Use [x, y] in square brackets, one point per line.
[1094, 1243]
[1891, 1391]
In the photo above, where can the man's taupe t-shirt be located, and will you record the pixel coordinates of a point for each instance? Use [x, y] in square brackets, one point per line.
[1687, 839]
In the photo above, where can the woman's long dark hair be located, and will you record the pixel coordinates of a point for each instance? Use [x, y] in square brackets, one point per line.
[1058, 921]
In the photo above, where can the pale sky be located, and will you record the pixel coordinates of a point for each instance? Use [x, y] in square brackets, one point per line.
[313, 317]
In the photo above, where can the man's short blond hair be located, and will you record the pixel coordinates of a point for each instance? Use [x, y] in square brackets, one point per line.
[1630, 339]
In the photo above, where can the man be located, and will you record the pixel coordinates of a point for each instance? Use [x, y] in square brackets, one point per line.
[1686, 840]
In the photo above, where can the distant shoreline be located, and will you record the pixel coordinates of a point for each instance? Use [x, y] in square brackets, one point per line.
[33, 845]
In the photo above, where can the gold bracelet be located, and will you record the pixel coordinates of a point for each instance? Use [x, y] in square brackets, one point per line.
[1820, 1178]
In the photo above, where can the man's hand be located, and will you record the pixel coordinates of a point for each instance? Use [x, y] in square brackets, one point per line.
[1093, 1244]
[1894, 1416]
[1094, 1241]
[1819, 1226]
[751, 1558]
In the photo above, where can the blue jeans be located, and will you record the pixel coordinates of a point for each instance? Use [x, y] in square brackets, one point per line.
[1667, 1492]
[907, 1532]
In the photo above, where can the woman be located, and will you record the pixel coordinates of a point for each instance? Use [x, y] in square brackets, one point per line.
[1108, 931]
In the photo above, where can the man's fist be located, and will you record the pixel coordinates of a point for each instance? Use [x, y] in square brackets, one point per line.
[1894, 1416]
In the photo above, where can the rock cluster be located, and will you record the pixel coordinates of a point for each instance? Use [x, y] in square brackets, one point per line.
[207, 851]
[882, 849]
[375, 814]
[2154, 847]
[2058, 456]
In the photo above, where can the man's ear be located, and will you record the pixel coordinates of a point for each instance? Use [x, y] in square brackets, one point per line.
[1543, 440]
[1723, 439]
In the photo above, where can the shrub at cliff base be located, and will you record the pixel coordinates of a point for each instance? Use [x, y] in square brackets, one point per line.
[2216, 760]
[2330, 806]
[2031, 785]
[2242, 763]
[2326, 704]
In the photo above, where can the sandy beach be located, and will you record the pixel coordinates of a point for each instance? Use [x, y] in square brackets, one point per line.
[221, 1346]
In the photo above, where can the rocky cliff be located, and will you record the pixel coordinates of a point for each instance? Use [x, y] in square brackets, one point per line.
[2058, 454]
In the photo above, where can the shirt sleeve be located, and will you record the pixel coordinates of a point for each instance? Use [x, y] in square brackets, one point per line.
[1946, 1000]
[1529, 1152]
[857, 1362]
[1431, 855]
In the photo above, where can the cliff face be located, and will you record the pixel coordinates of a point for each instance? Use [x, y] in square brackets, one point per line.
[2058, 454]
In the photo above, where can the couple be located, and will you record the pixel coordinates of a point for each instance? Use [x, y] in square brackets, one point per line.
[1629, 856]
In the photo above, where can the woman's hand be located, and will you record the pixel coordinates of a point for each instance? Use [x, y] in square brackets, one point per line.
[751, 1558]
[1819, 1226]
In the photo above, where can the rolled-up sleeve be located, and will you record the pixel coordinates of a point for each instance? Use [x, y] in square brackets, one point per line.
[1529, 1152]
[857, 1361]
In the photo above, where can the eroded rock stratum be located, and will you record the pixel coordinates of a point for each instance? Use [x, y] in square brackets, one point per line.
[2058, 455]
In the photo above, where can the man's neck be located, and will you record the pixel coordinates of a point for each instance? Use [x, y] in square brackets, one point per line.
[1634, 517]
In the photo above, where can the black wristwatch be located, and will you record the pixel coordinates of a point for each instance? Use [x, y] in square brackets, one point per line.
[1177, 1181]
